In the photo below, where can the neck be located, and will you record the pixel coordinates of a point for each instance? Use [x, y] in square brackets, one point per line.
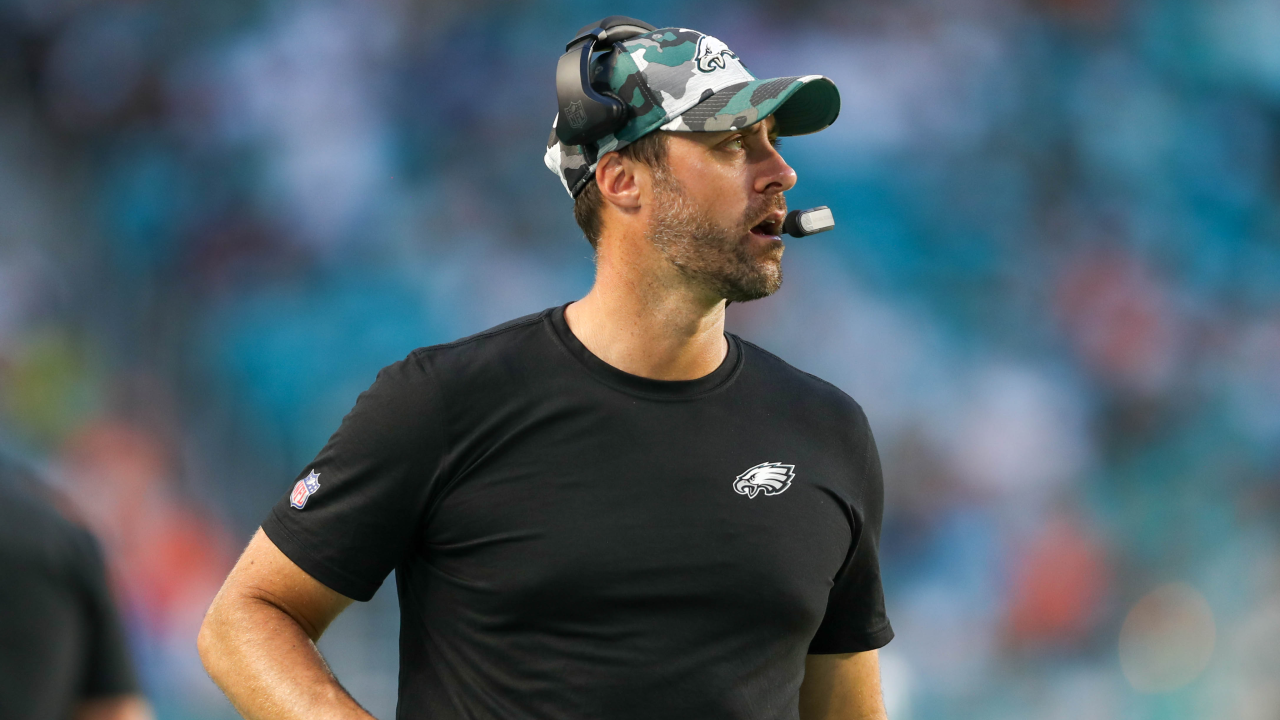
[644, 318]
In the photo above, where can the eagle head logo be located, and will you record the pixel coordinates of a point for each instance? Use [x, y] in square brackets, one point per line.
[769, 478]
[711, 54]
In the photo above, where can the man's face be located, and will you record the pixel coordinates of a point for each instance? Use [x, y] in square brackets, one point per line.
[718, 209]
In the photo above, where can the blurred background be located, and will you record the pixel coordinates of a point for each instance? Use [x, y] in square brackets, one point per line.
[1054, 287]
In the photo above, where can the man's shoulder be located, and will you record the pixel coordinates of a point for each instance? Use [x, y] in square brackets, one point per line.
[798, 385]
[25, 502]
[511, 331]
[32, 526]
[474, 352]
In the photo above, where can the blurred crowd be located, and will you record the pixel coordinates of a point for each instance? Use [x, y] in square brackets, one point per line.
[1054, 286]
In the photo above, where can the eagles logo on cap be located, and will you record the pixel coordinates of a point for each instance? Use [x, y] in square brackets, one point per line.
[711, 54]
[684, 81]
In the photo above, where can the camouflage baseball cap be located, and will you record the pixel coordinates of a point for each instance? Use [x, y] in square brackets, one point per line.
[684, 81]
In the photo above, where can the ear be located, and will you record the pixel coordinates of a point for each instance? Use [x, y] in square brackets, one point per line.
[618, 181]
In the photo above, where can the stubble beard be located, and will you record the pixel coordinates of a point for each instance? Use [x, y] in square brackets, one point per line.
[711, 255]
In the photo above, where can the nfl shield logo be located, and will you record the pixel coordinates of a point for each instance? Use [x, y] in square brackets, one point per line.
[303, 490]
[575, 114]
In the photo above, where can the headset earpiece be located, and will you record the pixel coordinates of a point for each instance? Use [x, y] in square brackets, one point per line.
[586, 113]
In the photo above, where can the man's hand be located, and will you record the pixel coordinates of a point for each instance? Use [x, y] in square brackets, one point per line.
[842, 687]
[258, 640]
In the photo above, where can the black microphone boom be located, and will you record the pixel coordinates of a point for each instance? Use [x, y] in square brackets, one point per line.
[800, 223]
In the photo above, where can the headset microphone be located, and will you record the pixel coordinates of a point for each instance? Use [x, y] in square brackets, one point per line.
[800, 223]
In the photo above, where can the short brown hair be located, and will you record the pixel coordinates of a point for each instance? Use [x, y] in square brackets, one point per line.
[650, 150]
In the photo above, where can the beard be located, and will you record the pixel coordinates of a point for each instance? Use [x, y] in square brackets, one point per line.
[714, 256]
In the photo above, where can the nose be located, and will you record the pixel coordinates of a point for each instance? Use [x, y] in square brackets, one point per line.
[775, 175]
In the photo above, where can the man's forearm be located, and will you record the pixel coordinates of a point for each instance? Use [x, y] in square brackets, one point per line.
[842, 687]
[268, 665]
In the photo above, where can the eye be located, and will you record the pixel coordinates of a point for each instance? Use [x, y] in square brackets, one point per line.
[736, 142]
[777, 142]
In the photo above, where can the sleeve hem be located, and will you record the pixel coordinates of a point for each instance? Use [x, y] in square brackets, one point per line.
[873, 640]
[331, 577]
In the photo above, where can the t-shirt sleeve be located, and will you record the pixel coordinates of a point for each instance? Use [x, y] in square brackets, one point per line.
[855, 620]
[108, 670]
[353, 514]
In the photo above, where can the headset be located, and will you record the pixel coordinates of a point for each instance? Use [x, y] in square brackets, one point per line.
[587, 112]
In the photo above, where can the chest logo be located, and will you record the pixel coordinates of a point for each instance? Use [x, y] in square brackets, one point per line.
[305, 488]
[769, 478]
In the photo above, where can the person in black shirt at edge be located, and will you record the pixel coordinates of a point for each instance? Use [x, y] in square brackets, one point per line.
[612, 509]
[62, 648]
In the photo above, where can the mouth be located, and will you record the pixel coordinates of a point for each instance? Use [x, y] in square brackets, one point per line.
[770, 227]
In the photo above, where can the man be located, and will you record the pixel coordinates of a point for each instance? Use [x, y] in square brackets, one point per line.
[62, 649]
[611, 509]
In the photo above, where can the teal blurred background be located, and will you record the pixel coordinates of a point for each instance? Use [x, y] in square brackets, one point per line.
[1054, 286]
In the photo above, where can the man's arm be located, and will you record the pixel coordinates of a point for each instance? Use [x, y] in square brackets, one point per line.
[842, 687]
[258, 640]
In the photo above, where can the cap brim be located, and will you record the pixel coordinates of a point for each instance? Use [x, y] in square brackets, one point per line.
[801, 105]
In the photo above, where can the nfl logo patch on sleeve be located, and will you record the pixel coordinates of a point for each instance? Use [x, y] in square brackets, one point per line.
[304, 489]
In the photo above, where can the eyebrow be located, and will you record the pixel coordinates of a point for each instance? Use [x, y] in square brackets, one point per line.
[771, 134]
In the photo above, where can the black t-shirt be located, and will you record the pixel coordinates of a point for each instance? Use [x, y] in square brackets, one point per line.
[574, 542]
[60, 639]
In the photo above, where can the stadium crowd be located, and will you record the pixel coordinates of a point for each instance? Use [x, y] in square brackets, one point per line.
[1054, 286]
